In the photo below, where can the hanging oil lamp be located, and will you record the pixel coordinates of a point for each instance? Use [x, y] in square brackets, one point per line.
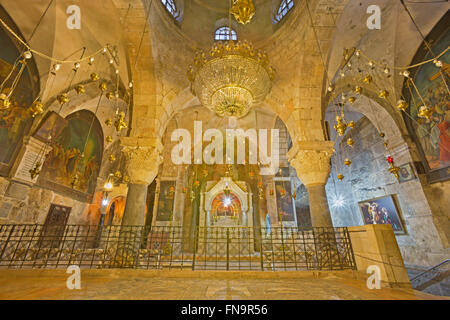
[340, 127]
[425, 112]
[62, 98]
[340, 176]
[243, 10]
[103, 86]
[94, 76]
[110, 95]
[350, 142]
[75, 181]
[80, 89]
[383, 94]
[120, 122]
[109, 122]
[36, 108]
[402, 105]
[4, 101]
[35, 171]
[227, 190]
[347, 162]
[260, 190]
[171, 192]
[393, 169]
[367, 79]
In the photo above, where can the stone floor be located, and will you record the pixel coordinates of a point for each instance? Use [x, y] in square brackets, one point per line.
[196, 285]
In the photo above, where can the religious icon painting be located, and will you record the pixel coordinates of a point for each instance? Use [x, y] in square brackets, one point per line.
[382, 210]
[406, 173]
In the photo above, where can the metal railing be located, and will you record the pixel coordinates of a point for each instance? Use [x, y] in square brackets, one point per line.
[205, 248]
[433, 275]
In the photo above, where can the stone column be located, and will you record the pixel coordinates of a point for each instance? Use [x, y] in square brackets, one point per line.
[142, 161]
[143, 156]
[311, 160]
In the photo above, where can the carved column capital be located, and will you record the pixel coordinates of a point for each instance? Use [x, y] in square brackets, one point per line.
[311, 160]
[143, 157]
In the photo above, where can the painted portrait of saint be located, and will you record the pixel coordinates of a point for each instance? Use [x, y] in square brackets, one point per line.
[285, 204]
[433, 83]
[76, 152]
[16, 119]
[381, 211]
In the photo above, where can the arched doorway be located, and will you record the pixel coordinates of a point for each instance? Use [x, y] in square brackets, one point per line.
[226, 210]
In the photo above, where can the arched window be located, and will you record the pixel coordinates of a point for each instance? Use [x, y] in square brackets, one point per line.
[223, 33]
[283, 9]
[171, 7]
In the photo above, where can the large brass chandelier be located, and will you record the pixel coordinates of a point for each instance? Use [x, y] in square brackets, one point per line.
[231, 78]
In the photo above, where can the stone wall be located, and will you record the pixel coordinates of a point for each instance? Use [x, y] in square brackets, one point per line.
[367, 178]
[22, 204]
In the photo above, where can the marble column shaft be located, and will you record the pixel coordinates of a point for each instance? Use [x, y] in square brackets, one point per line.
[311, 160]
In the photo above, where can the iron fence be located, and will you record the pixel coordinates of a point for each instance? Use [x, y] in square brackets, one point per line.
[205, 248]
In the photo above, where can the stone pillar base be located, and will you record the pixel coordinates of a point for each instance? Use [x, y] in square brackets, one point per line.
[376, 245]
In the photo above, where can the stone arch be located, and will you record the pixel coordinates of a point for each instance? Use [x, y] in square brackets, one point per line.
[377, 110]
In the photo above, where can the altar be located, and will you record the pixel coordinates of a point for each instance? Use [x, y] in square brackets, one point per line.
[226, 203]
[226, 213]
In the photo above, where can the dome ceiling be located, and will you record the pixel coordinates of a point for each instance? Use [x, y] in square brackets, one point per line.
[202, 17]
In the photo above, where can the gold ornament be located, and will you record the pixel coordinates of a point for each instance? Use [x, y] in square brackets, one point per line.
[103, 86]
[340, 127]
[35, 171]
[358, 90]
[80, 89]
[75, 181]
[340, 176]
[109, 122]
[120, 122]
[126, 179]
[94, 76]
[382, 134]
[63, 98]
[351, 124]
[118, 174]
[383, 94]
[394, 170]
[294, 195]
[243, 10]
[402, 105]
[4, 101]
[36, 108]
[110, 95]
[351, 99]
[425, 112]
[367, 79]
[350, 142]
[347, 162]
[109, 139]
[112, 158]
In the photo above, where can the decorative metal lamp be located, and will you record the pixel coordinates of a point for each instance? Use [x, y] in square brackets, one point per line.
[393, 169]
[243, 10]
[231, 78]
